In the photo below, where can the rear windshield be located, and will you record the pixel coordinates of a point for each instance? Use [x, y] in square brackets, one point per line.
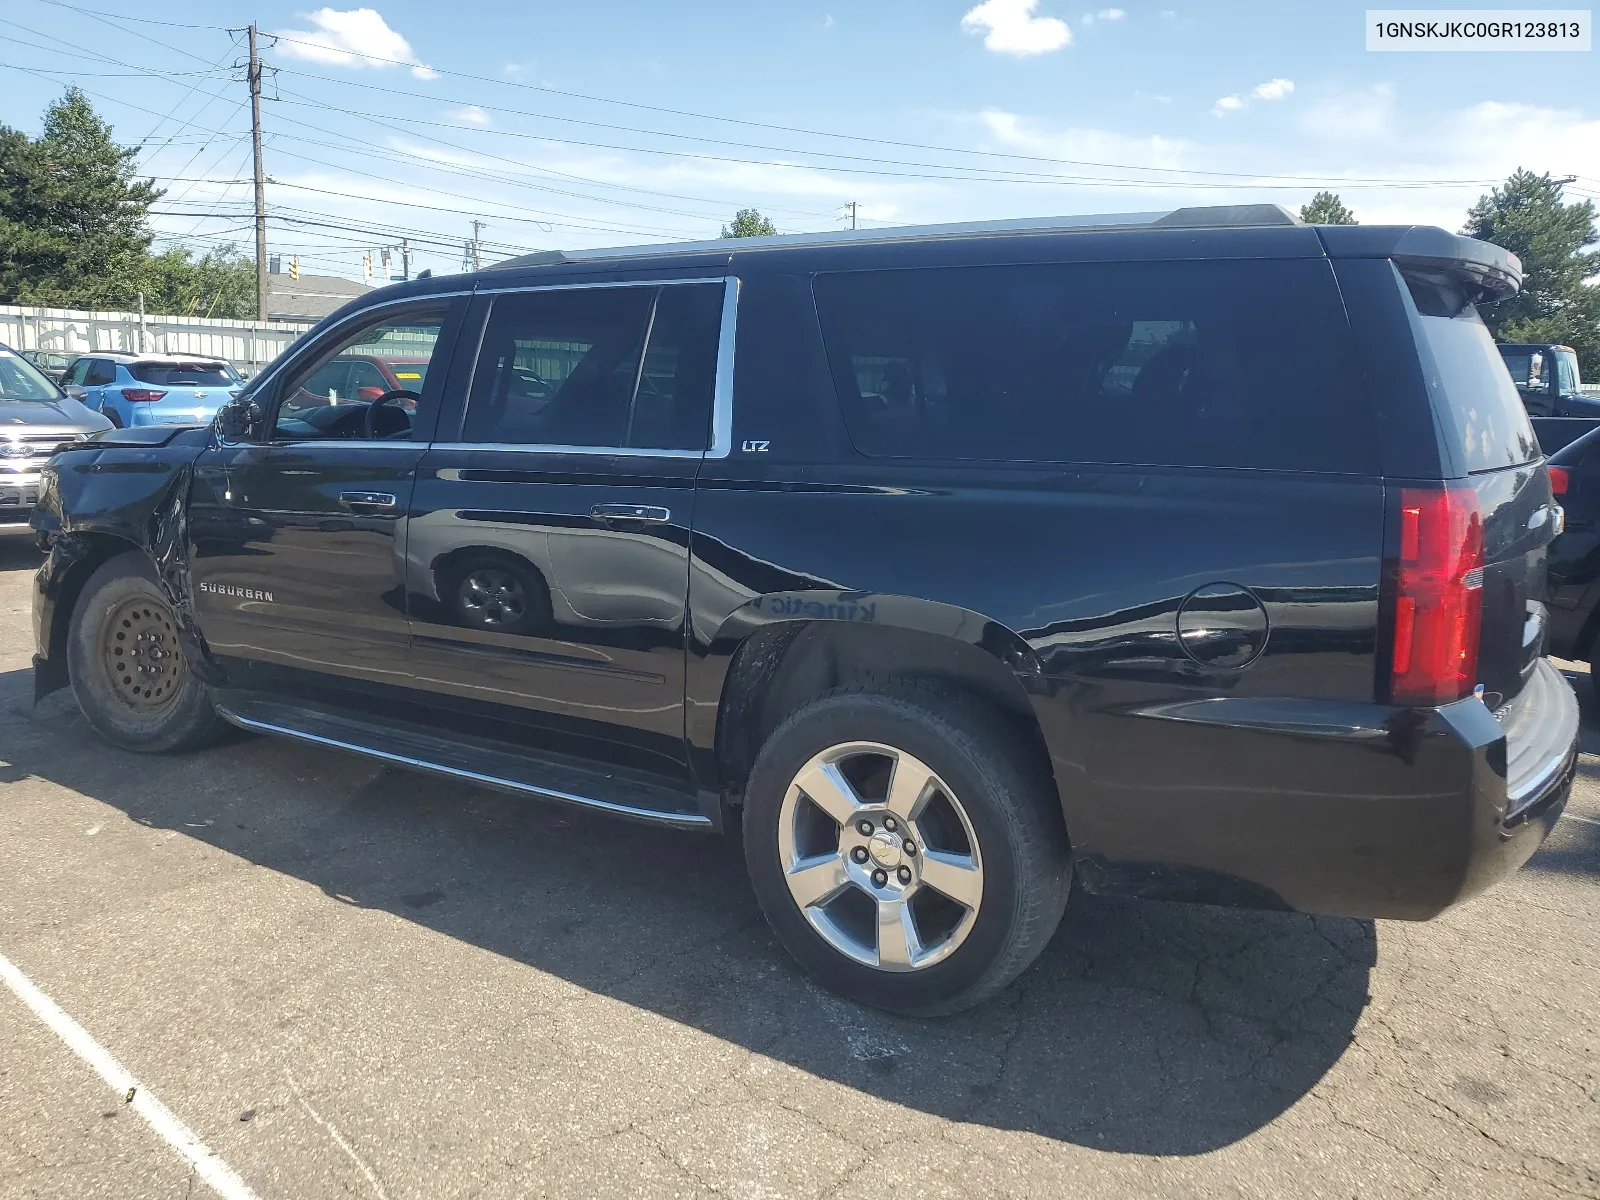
[410, 375]
[1476, 402]
[195, 374]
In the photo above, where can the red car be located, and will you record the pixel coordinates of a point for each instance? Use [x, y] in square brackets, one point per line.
[363, 377]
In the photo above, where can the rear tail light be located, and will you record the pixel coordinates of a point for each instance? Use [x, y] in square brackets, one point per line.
[141, 395]
[234, 392]
[1438, 605]
[1559, 481]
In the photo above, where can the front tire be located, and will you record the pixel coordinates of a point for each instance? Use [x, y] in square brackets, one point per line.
[126, 668]
[906, 846]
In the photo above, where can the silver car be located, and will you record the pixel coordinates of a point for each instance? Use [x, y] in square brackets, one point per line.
[35, 417]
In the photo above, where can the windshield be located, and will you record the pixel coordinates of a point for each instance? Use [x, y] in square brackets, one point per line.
[188, 374]
[21, 380]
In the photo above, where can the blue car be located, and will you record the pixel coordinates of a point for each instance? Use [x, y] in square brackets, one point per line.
[154, 389]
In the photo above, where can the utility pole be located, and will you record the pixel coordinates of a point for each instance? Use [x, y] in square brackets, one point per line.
[477, 249]
[852, 214]
[405, 259]
[261, 180]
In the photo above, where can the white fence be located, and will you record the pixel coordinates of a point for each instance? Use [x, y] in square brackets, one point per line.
[249, 345]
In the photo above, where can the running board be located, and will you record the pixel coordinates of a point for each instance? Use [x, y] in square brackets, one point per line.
[406, 746]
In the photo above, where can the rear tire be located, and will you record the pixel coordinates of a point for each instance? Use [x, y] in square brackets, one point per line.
[126, 668]
[937, 907]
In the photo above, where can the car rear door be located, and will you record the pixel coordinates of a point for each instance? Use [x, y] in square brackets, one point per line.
[547, 539]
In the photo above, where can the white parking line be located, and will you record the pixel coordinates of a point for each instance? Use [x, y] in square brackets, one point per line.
[1576, 817]
[174, 1132]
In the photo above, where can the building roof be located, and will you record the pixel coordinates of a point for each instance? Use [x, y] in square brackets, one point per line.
[310, 296]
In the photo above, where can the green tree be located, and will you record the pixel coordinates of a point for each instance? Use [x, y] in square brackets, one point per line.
[73, 219]
[1327, 209]
[220, 283]
[1528, 216]
[748, 222]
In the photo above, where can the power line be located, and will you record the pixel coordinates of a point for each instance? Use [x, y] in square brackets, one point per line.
[1307, 180]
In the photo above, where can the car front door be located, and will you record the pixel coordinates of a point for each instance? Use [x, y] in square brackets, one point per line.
[547, 540]
[296, 570]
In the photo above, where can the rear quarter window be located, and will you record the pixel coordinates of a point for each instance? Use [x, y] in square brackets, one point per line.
[1477, 406]
[1221, 364]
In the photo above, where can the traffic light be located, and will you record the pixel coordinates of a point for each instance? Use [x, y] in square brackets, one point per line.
[294, 268]
[366, 266]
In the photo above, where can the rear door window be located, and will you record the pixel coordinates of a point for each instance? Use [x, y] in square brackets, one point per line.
[101, 372]
[1476, 403]
[1235, 364]
[599, 367]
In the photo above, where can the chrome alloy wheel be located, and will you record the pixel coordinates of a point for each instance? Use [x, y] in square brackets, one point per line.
[880, 856]
[139, 647]
[493, 597]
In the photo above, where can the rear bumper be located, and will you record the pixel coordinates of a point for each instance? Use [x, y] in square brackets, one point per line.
[1322, 806]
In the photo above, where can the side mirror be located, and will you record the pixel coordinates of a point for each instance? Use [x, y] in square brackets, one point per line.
[239, 420]
[74, 392]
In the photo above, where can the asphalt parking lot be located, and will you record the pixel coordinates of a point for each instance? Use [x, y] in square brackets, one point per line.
[349, 980]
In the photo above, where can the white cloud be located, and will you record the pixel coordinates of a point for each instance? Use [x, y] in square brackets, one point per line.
[1009, 27]
[1083, 145]
[1272, 89]
[827, 20]
[1105, 14]
[513, 68]
[1362, 116]
[356, 37]
[470, 115]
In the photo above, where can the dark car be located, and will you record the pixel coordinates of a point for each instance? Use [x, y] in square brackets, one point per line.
[52, 364]
[947, 564]
[1575, 554]
[1548, 380]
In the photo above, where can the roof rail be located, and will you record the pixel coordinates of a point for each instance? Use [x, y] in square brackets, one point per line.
[1202, 217]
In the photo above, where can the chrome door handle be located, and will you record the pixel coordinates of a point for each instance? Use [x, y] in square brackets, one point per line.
[359, 500]
[630, 512]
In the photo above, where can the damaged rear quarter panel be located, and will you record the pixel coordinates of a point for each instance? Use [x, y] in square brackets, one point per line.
[96, 500]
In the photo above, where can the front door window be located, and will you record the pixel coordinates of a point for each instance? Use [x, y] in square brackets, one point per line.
[345, 393]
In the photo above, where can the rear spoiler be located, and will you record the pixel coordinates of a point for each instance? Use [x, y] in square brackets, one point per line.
[1493, 272]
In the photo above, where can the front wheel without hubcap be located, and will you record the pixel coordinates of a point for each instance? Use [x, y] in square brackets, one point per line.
[126, 667]
[906, 846]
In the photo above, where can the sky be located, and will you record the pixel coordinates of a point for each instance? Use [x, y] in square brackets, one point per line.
[617, 123]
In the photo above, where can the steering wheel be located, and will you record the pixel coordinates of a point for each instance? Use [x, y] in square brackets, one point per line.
[369, 423]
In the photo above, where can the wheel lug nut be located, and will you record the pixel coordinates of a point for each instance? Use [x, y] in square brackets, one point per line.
[911, 847]
[864, 827]
[879, 878]
[889, 824]
[859, 854]
[905, 874]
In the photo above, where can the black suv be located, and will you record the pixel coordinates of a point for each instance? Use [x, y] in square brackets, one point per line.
[1197, 555]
